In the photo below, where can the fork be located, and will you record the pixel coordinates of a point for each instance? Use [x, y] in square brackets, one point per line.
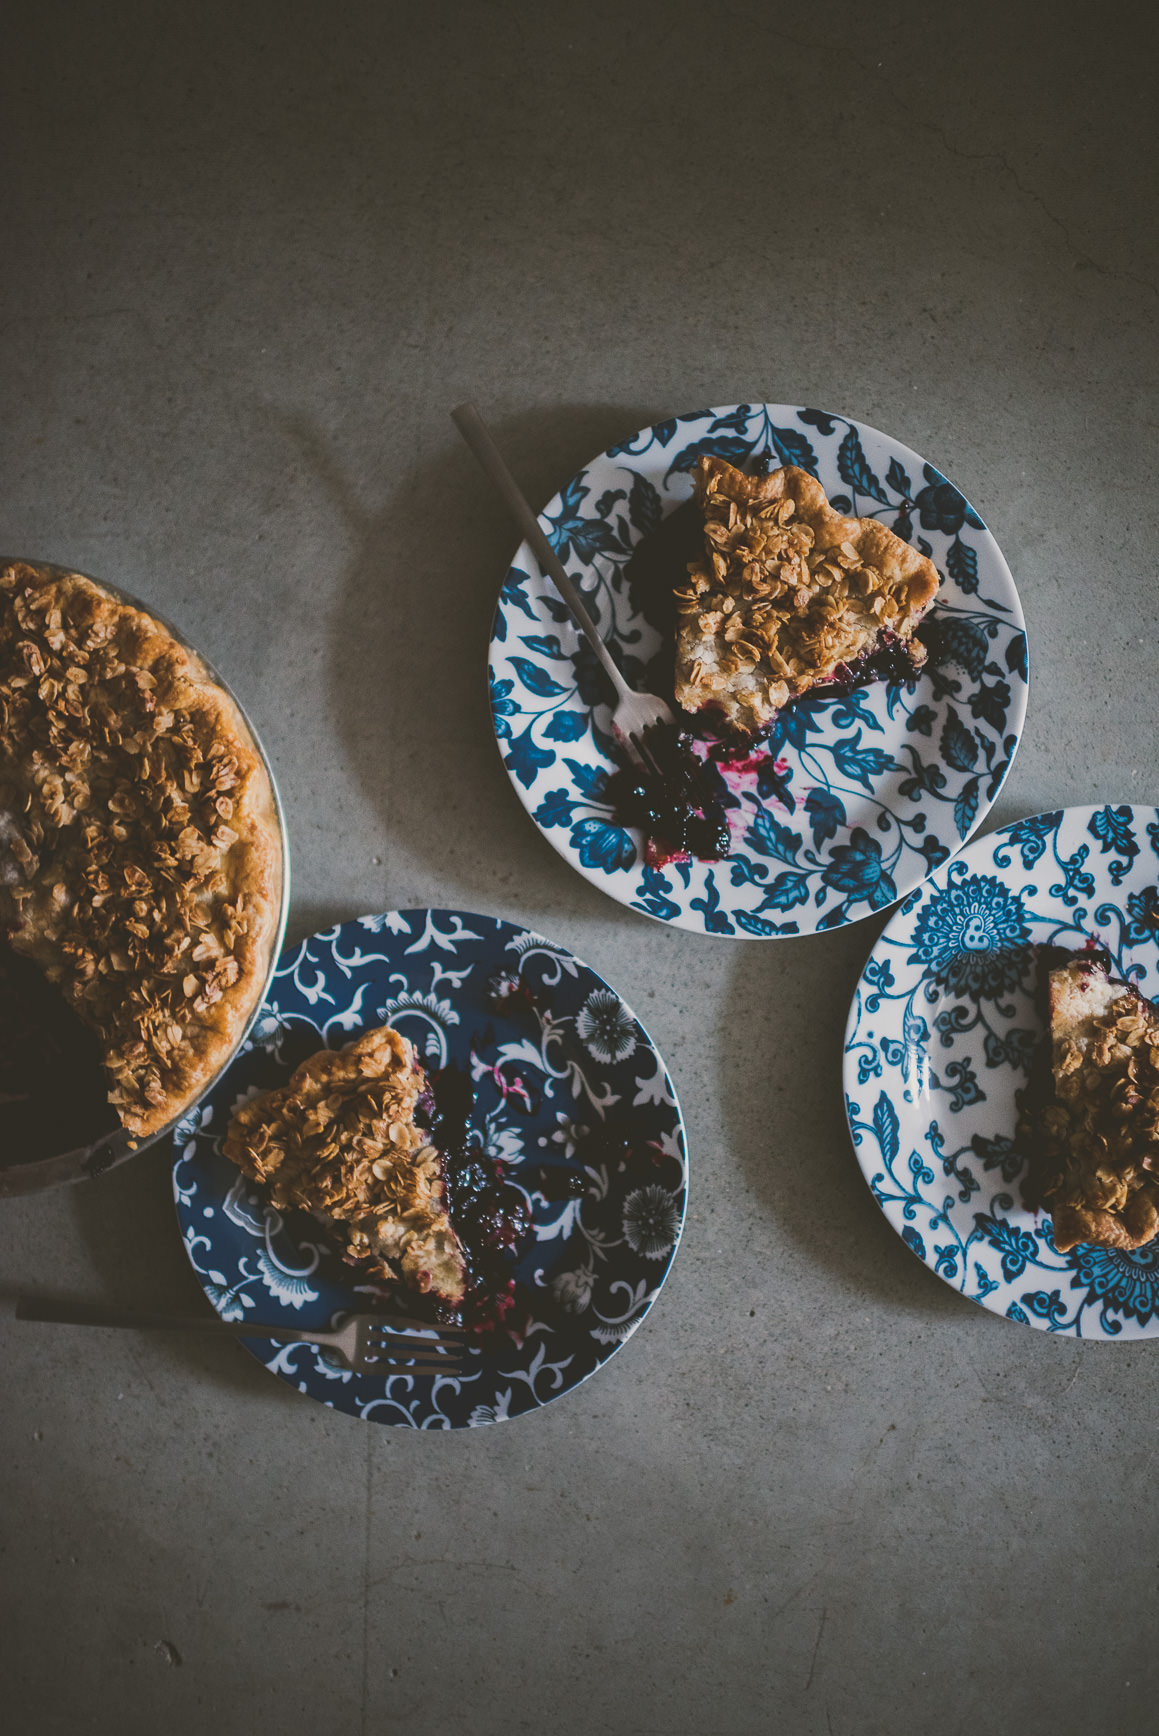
[635, 713]
[365, 1343]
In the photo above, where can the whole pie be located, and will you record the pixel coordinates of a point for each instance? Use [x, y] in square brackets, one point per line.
[789, 595]
[340, 1140]
[140, 849]
[1093, 1140]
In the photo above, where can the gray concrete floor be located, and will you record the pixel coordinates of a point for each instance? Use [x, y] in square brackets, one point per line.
[252, 255]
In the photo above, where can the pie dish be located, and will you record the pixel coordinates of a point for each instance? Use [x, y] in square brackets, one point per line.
[141, 846]
[858, 793]
[788, 595]
[565, 1090]
[1092, 1143]
[944, 1033]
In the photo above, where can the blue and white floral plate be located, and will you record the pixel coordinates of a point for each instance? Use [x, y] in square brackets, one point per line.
[873, 792]
[940, 1038]
[546, 1082]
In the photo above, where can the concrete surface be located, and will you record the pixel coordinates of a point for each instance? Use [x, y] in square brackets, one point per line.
[252, 256]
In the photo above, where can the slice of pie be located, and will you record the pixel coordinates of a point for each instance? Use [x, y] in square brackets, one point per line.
[1094, 1142]
[140, 848]
[789, 595]
[341, 1140]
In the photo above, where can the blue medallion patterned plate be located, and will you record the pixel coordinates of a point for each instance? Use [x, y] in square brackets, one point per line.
[862, 797]
[940, 1039]
[606, 1215]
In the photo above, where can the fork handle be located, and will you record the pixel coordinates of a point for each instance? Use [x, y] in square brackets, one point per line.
[99, 1314]
[474, 430]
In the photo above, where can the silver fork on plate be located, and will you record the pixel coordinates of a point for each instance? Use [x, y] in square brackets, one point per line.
[635, 713]
[366, 1343]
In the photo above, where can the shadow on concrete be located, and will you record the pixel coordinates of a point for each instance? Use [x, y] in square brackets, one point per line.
[127, 1223]
[795, 1151]
[408, 654]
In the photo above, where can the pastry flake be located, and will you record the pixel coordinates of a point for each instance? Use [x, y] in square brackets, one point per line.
[140, 849]
[787, 595]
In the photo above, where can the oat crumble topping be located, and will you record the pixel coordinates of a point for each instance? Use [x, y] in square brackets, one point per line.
[140, 854]
[340, 1140]
[1098, 1140]
[786, 591]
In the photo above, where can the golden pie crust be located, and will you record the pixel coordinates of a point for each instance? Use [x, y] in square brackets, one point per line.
[1095, 1145]
[786, 592]
[140, 849]
[340, 1140]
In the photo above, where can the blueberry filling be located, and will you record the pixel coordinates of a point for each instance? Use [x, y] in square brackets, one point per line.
[507, 991]
[490, 1215]
[678, 808]
[610, 1144]
[888, 661]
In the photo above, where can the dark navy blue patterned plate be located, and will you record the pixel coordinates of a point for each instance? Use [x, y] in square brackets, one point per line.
[863, 797]
[941, 1035]
[571, 1095]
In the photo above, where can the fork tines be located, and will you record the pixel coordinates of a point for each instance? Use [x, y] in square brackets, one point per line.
[646, 754]
[407, 1352]
[392, 1364]
[656, 747]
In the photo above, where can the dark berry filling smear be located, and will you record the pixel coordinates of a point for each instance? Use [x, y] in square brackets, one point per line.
[888, 661]
[681, 806]
[678, 807]
[490, 1215]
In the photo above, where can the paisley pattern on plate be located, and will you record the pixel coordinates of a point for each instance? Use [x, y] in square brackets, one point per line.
[870, 793]
[940, 1039]
[549, 1083]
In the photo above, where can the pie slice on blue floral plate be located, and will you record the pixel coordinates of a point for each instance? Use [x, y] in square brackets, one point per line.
[570, 1100]
[941, 1045]
[854, 800]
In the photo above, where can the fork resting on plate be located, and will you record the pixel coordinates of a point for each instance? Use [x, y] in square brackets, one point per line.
[365, 1343]
[635, 713]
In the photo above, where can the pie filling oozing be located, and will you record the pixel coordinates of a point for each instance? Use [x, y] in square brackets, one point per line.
[1090, 1127]
[362, 1140]
[784, 597]
[140, 849]
[677, 807]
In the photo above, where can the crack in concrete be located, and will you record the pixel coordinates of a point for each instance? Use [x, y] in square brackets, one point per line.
[1084, 260]
[816, 1649]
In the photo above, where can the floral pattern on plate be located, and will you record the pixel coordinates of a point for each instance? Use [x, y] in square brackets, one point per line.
[862, 797]
[571, 1094]
[941, 1035]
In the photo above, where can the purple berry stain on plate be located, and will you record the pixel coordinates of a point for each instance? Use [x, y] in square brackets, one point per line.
[563, 1147]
